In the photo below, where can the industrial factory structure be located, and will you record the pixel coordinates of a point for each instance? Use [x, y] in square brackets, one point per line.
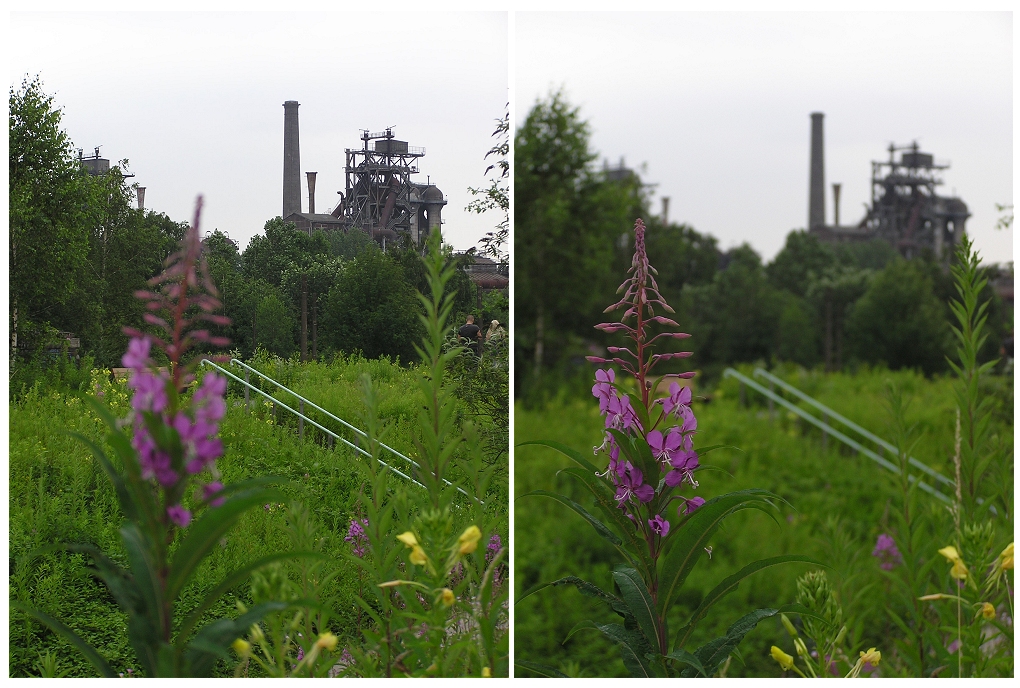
[905, 210]
[379, 198]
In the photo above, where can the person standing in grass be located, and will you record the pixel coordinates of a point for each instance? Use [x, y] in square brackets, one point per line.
[495, 331]
[471, 335]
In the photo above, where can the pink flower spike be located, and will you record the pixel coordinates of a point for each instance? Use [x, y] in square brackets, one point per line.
[210, 490]
[179, 515]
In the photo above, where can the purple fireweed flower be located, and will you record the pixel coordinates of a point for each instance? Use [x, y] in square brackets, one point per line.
[179, 515]
[885, 551]
[621, 415]
[201, 446]
[665, 448]
[683, 462]
[603, 389]
[208, 403]
[495, 544]
[690, 506]
[150, 391]
[659, 525]
[210, 490]
[300, 653]
[690, 423]
[679, 397]
[632, 485]
[357, 537]
[137, 355]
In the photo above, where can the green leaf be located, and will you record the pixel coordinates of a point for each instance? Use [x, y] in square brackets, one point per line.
[684, 657]
[633, 647]
[568, 452]
[143, 571]
[585, 588]
[229, 582]
[690, 541]
[605, 499]
[715, 652]
[127, 504]
[204, 535]
[60, 628]
[540, 669]
[599, 527]
[729, 584]
[635, 594]
[212, 642]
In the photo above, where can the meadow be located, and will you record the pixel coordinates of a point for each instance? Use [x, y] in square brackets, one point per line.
[59, 494]
[839, 503]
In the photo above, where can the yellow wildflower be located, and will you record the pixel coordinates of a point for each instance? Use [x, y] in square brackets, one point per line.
[326, 641]
[447, 597]
[785, 660]
[959, 570]
[418, 556]
[872, 657]
[408, 539]
[241, 646]
[950, 553]
[468, 540]
[987, 610]
[486, 672]
[1006, 558]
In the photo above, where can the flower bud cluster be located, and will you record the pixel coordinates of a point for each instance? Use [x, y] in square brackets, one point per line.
[671, 423]
[169, 462]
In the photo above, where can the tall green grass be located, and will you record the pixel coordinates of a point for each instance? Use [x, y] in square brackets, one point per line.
[58, 493]
[840, 503]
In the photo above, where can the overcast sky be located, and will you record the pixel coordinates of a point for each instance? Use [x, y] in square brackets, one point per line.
[194, 101]
[718, 106]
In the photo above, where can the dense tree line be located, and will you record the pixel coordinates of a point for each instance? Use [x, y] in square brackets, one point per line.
[356, 297]
[79, 251]
[813, 304]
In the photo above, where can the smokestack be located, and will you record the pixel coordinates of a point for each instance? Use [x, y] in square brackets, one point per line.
[665, 211]
[835, 208]
[291, 160]
[816, 203]
[141, 197]
[311, 192]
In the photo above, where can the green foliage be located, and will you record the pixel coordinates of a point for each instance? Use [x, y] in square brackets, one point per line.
[801, 256]
[734, 317]
[447, 590]
[78, 249]
[59, 494]
[274, 326]
[568, 221]
[371, 309]
[496, 196]
[779, 453]
[899, 320]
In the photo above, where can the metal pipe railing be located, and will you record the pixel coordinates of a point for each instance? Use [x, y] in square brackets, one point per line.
[311, 403]
[760, 372]
[825, 427]
[329, 432]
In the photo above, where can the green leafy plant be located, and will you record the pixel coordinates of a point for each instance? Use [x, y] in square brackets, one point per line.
[435, 603]
[154, 468]
[650, 443]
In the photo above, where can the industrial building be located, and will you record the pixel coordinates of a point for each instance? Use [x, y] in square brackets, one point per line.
[905, 209]
[379, 197]
[98, 166]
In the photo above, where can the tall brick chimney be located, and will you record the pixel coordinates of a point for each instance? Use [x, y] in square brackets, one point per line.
[291, 160]
[816, 202]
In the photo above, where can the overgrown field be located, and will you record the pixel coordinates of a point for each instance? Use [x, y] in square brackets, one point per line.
[59, 494]
[840, 503]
